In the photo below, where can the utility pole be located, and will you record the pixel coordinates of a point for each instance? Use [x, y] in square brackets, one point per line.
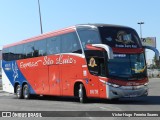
[40, 17]
[140, 23]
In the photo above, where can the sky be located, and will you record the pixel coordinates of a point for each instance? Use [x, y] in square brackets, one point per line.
[19, 19]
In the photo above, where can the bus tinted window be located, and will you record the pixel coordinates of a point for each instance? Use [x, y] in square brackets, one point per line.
[53, 45]
[120, 37]
[70, 43]
[11, 54]
[40, 48]
[89, 36]
[5, 54]
[29, 50]
[19, 52]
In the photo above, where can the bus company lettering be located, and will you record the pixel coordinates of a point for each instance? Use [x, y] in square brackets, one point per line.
[48, 61]
[29, 64]
[67, 60]
[125, 46]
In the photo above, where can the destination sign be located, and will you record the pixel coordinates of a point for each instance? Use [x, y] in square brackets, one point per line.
[120, 37]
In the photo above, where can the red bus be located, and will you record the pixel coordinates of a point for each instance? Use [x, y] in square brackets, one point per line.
[85, 61]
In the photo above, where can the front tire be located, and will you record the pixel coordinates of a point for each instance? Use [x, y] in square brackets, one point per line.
[19, 92]
[26, 93]
[82, 94]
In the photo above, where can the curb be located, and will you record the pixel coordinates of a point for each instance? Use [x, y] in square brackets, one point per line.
[1, 91]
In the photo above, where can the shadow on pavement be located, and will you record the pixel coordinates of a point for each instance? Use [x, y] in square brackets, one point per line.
[148, 100]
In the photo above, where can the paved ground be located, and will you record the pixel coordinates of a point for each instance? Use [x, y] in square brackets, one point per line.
[8, 102]
[0, 82]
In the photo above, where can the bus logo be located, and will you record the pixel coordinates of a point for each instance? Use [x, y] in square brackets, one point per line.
[7, 67]
[92, 62]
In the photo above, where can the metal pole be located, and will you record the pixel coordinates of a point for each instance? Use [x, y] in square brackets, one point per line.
[40, 17]
[140, 31]
[140, 23]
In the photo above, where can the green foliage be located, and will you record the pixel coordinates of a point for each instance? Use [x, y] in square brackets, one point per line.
[157, 63]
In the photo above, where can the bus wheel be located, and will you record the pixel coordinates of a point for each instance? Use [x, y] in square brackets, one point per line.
[26, 93]
[19, 92]
[82, 94]
[114, 100]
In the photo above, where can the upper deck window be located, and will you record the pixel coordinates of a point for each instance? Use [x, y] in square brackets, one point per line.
[89, 36]
[70, 43]
[19, 52]
[29, 50]
[5, 53]
[53, 45]
[40, 48]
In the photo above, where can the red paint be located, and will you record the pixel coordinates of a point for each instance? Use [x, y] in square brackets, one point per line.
[56, 77]
[128, 83]
[128, 51]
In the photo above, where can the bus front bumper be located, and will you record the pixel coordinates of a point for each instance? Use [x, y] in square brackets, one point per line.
[114, 91]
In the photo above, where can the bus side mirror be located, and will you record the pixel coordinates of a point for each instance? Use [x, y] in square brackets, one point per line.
[153, 49]
[107, 48]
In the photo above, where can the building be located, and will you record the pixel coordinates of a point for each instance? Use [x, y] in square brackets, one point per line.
[150, 62]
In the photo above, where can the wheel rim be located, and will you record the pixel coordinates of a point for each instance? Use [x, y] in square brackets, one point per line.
[18, 91]
[25, 92]
[81, 93]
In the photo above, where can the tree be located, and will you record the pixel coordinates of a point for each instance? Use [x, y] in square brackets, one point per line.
[157, 62]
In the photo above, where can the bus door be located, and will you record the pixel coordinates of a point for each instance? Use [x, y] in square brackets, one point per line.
[69, 67]
[53, 50]
[96, 67]
[54, 78]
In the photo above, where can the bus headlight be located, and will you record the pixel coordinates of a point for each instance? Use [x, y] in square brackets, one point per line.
[116, 86]
[146, 84]
[127, 87]
[113, 85]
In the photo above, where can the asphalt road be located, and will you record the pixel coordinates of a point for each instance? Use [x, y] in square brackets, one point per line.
[9, 102]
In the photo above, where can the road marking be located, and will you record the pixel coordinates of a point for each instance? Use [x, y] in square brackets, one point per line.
[88, 116]
[110, 108]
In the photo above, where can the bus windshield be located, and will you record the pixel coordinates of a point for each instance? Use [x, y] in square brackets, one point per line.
[127, 66]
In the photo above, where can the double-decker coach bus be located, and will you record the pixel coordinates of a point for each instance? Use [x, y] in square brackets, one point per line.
[85, 61]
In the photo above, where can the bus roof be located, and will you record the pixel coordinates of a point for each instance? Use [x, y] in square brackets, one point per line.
[43, 36]
[61, 31]
[100, 25]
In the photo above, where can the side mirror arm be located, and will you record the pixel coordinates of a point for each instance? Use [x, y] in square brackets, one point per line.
[107, 48]
[153, 49]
